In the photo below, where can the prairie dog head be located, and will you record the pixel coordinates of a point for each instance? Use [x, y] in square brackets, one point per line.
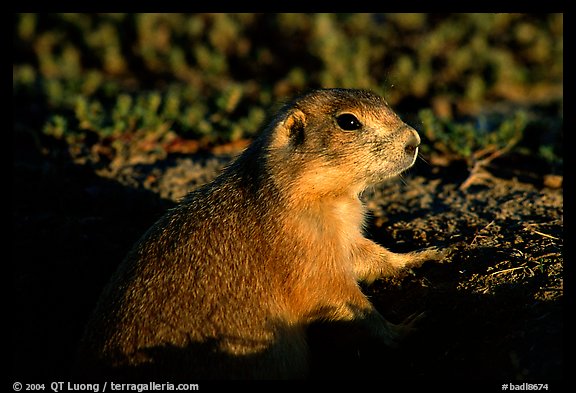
[339, 141]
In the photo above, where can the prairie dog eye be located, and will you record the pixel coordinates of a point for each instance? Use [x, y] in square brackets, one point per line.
[348, 122]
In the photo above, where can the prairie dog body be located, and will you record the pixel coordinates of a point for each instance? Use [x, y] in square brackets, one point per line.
[225, 284]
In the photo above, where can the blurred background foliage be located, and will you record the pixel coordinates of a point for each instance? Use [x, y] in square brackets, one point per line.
[173, 82]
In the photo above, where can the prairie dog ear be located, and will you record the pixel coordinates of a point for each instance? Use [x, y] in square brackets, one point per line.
[290, 131]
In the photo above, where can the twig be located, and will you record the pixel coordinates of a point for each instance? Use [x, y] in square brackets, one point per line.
[479, 165]
[477, 235]
[545, 234]
[550, 254]
[509, 270]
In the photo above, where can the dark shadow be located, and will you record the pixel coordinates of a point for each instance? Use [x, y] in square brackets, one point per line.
[71, 228]
[200, 361]
[472, 333]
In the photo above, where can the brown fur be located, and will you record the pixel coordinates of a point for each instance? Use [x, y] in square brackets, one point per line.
[225, 284]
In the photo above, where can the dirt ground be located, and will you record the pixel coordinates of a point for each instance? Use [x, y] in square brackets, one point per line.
[494, 310]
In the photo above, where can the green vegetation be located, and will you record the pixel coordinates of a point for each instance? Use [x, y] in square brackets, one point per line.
[472, 141]
[122, 78]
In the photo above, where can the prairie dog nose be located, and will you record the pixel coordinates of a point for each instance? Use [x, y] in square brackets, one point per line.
[413, 141]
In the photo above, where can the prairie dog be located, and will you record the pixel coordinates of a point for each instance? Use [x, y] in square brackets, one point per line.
[225, 284]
